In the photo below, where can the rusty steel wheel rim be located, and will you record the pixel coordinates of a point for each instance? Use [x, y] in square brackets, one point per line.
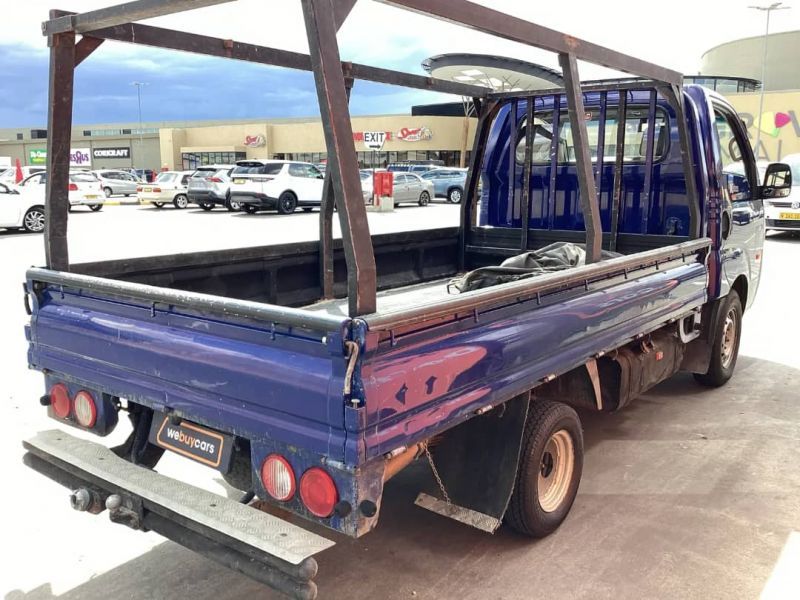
[728, 345]
[555, 470]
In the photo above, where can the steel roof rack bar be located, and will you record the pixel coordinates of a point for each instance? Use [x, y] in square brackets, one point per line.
[323, 19]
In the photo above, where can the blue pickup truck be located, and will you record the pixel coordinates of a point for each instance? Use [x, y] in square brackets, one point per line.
[482, 342]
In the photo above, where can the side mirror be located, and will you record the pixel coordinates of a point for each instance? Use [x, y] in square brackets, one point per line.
[734, 150]
[777, 181]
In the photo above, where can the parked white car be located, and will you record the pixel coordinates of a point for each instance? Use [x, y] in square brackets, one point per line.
[783, 214]
[276, 185]
[9, 175]
[115, 182]
[169, 187]
[84, 189]
[22, 209]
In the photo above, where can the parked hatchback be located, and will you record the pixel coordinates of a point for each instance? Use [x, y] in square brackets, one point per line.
[276, 185]
[117, 182]
[168, 188]
[210, 186]
[84, 188]
[447, 183]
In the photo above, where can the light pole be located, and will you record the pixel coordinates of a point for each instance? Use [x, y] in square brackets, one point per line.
[139, 85]
[766, 9]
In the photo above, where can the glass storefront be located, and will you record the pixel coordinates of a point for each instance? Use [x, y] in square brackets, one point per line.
[192, 160]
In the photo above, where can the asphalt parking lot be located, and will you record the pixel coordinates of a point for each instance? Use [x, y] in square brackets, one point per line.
[688, 493]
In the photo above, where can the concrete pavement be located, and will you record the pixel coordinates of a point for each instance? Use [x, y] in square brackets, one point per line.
[687, 493]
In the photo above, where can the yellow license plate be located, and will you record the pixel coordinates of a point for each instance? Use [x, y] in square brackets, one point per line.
[147, 190]
[88, 197]
[238, 181]
[790, 216]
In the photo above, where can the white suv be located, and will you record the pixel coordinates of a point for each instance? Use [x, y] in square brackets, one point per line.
[276, 185]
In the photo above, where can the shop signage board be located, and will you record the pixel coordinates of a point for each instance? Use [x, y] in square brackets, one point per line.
[374, 140]
[115, 152]
[78, 157]
[255, 141]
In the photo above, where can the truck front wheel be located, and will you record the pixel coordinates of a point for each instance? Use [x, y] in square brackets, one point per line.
[550, 466]
[725, 349]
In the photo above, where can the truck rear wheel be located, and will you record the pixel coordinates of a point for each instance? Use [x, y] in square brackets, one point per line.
[549, 471]
[725, 349]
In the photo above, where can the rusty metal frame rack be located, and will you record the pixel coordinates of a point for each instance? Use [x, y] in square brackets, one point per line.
[333, 79]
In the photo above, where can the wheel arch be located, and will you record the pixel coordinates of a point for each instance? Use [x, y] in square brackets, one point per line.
[740, 286]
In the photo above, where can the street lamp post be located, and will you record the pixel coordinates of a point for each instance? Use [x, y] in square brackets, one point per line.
[139, 85]
[766, 9]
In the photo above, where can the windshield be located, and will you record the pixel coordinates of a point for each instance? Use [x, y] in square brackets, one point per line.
[165, 177]
[82, 178]
[257, 169]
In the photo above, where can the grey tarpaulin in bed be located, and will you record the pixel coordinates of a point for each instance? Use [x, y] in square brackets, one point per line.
[555, 257]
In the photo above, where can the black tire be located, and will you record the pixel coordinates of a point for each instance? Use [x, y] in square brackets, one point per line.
[180, 201]
[250, 209]
[307, 209]
[287, 202]
[454, 195]
[424, 199]
[158, 204]
[232, 205]
[207, 206]
[550, 426]
[33, 221]
[95, 207]
[725, 349]
[108, 191]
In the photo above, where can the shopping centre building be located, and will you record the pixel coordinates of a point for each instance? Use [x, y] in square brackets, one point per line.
[438, 132]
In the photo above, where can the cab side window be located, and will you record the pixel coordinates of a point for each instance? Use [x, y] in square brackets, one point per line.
[735, 184]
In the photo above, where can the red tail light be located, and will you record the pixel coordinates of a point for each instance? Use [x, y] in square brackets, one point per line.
[157, 189]
[278, 477]
[85, 409]
[318, 492]
[138, 188]
[73, 187]
[215, 180]
[59, 400]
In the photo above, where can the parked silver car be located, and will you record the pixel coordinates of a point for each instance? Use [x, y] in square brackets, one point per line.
[116, 182]
[410, 187]
[448, 183]
[210, 186]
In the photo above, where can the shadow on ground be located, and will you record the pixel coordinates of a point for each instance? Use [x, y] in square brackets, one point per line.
[689, 492]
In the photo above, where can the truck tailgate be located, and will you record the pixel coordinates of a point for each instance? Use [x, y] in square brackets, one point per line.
[218, 362]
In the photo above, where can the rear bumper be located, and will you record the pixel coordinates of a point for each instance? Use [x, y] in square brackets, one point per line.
[198, 196]
[783, 224]
[255, 199]
[238, 536]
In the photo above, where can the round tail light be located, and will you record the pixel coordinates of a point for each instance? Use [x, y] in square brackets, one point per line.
[318, 492]
[278, 477]
[85, 409]
[59, 400]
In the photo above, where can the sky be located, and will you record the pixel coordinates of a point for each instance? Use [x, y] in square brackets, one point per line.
[187, 87]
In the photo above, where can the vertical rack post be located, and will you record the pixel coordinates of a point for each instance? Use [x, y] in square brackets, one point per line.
[583, 157]
[530, 132]
[326, 222]
[554, 141]
[342, 163]
[616, 196]
[59, 134]
[512, 158]
[648, 160]
[601, 146]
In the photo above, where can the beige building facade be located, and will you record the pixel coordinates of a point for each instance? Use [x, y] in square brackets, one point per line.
[779, 122]
[404, 137]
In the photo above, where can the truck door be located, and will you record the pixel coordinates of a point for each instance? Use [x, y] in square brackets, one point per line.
[743, 225]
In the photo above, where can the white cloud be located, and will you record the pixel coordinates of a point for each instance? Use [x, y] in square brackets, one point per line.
[673, 33]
